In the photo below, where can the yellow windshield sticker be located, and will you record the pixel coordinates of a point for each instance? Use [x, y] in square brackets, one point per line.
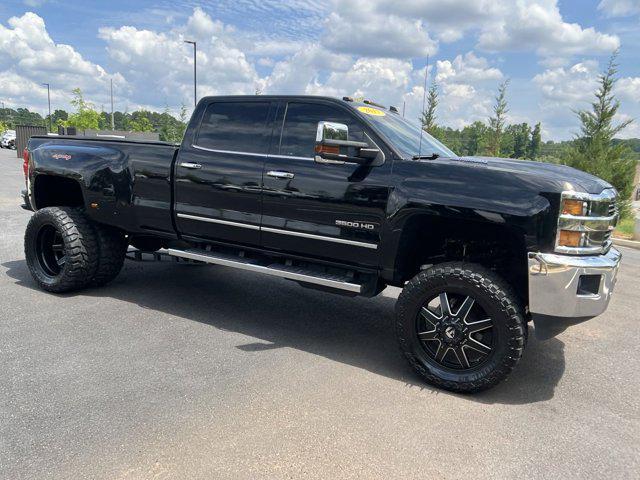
[372, 111]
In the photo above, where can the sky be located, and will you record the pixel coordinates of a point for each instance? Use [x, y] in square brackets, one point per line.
[551, 51]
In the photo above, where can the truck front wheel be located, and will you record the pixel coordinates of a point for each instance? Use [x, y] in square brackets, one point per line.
[61, 249]
[460, 326]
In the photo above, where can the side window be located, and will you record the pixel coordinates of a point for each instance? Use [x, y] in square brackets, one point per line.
[301, 124]
[235, 126]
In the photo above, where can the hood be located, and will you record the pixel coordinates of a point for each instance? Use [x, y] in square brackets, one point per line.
[572, 178]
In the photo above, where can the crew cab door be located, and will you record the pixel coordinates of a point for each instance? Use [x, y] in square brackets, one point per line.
[326, 210]
[218, 176]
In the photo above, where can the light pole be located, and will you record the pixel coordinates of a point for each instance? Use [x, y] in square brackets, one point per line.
[195, 72]
[112, 122]
[49, 101]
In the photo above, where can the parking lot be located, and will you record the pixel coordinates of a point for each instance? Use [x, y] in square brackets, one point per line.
[187, 371]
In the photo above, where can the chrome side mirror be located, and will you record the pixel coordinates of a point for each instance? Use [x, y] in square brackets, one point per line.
[332, 131]
[333, 146]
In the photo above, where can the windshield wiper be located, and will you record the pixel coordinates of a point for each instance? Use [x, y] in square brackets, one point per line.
[431, 156]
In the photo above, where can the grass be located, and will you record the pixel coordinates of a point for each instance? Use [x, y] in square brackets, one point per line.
[625, 228]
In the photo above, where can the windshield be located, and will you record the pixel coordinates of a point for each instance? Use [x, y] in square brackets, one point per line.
[405, 135]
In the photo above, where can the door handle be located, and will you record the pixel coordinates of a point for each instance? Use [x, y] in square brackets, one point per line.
[279, 174]
[191, 165]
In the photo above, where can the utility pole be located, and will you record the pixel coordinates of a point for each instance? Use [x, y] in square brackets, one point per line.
[112, 122]
[195, 72]
[49, 101]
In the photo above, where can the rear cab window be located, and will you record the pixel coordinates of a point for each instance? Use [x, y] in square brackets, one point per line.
[235, 127]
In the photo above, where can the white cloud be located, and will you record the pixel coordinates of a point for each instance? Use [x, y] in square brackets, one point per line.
[29, 57]
[160, 65]
[538, 25]
[369, 27]
[356, 27]
[467, 68]
[619, 8]
[628, 90]
[562, 87]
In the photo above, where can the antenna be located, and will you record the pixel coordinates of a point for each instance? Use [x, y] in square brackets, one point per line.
[424, 99]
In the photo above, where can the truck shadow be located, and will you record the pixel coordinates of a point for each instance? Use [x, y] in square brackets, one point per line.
[279, 313]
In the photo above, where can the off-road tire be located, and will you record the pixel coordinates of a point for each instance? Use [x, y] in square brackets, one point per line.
[112, 247]
[79, 245]
[497, 298]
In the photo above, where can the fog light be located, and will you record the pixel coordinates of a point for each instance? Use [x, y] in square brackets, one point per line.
[589, 284]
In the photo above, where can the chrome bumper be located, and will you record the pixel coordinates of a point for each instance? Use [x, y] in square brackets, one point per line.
[568, 289]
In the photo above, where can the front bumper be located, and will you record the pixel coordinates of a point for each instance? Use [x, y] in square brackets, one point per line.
[565, 289]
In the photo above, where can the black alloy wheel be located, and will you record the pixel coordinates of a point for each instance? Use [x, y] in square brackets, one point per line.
[455, 331]
[50, 251]
[460, 326]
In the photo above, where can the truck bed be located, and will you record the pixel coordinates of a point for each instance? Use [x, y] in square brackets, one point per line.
[124, 182]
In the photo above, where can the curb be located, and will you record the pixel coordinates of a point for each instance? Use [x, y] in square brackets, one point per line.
[626, 243]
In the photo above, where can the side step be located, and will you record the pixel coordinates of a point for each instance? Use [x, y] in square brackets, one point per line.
[277, 270]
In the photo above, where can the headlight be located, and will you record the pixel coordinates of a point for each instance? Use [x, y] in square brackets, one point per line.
[586, 222]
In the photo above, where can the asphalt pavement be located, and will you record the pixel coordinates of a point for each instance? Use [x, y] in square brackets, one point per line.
[186, 371]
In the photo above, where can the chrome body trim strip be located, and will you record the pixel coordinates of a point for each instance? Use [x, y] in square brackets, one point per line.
[278, 231]
[268, 270]
[606, 195]
[290, 157]
[216, 220]
[320, 237]
[238, 152]
[232, 152]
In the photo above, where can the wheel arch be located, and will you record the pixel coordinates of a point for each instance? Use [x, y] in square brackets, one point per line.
[57, 191]
[427, 239]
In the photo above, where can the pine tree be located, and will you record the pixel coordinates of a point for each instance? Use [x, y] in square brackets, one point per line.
[497, 122]
[594, 150]
[533, 149]
[429, 114]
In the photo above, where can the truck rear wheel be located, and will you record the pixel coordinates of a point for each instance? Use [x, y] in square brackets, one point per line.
[61, 249]
[460, 326]
[112, 247]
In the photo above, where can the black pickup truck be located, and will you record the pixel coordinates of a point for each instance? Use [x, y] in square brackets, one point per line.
[347, 197]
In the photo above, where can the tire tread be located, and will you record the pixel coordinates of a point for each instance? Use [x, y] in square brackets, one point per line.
[497, 290]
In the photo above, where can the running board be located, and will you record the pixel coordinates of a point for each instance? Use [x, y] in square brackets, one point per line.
[277, 270]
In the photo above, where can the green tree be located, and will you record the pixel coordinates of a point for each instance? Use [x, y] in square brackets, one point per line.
[594, 151]
[520, 138]
[429, 115]
[140, 122]
[535, 144]
[474, 138]
[167, 130]
[86, 117]
[498, 120]
[182, 119]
